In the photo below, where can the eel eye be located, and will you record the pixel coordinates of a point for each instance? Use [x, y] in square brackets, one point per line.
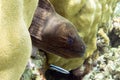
[70, 40]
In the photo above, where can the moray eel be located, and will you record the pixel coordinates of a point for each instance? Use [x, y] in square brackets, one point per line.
[85, 15]
[54, 34]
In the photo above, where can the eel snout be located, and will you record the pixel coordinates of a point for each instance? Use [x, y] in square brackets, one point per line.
[54, 34]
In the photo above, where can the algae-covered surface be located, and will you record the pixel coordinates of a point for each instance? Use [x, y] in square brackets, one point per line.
[106, 66]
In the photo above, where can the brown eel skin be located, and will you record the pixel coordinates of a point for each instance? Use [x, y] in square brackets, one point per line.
[52, 33]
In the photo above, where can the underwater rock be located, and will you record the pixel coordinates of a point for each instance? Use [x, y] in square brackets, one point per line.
[111, 67]
[114, 33]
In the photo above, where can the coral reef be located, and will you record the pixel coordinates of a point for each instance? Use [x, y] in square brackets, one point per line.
[107, 66]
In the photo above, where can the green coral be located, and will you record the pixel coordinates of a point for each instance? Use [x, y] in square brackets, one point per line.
[15, 48]
[108, 7]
